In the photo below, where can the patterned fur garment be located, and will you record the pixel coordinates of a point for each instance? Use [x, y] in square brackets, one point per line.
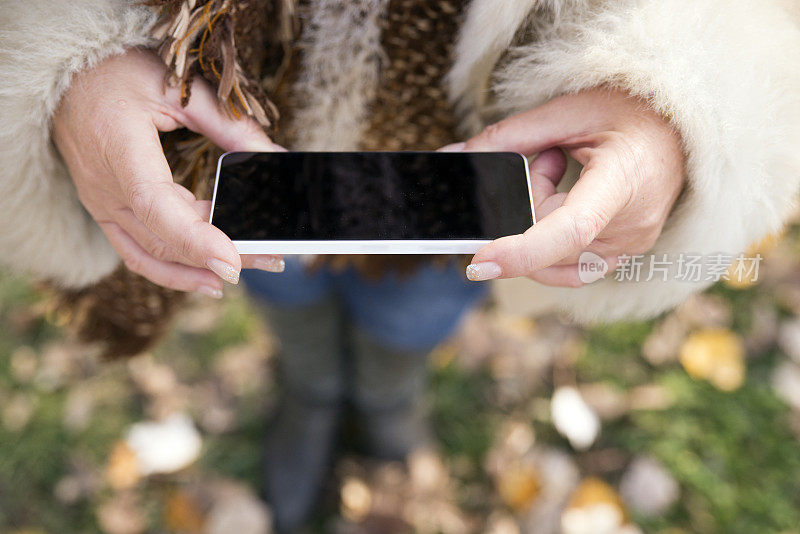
[724, 73]
[302, 59]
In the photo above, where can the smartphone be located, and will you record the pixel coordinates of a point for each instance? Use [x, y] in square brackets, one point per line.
[370, 202]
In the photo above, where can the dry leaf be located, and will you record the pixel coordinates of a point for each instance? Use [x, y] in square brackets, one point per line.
[519, 486]
[182, 513]
[648, 487]
[17, 412]
[356, 499]
[573, 418]
[122, 470]
[786, 382]
[165, 446]
[591, 491]
[662, 345]
[24, 363]
[237, 510]
[594, 507]
[741, 275]
[121, 515]
[716, 355]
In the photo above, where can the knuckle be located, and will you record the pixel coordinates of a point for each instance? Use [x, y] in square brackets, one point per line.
[133, 264]
[159, 250]
[650, 221]
[493, 133]
[189, 240]
[526, 255]
[586, 225]
[142, 202]
[528, 261]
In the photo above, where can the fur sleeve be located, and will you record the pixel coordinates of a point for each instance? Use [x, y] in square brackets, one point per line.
[727, 74]
[45, 230]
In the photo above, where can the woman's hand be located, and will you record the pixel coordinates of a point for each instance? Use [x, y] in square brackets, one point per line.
[106, 128]
[633, 172]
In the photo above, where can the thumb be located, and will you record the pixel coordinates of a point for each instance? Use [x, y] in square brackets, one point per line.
[549, 125]
[203, 115]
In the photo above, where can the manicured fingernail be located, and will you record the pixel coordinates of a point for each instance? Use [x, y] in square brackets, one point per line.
[223, 270]
[209, 291]
[478, 272]
[272, 265]
[455, 147]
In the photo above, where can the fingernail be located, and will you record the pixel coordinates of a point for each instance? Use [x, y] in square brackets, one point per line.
[478, 272]
[223, 270]
[455, 147]
[272, 265]
[209, 291]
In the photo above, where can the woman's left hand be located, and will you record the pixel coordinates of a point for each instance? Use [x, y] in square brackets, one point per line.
[633, 172]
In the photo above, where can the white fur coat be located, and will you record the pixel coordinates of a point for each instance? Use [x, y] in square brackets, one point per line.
[726, 73]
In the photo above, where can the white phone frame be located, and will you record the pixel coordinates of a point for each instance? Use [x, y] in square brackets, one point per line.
[352, 246]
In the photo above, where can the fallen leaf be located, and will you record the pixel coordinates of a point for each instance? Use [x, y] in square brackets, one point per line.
[663, 344]
[182, 513]
[121, 515]
[17, 412]
[648, 487]
[238, 511]
[165, 446]
[594, 507]
[519, 485]
[716, 355]
[24, 363]
[573, 418]
[122, 469]
[786, 382]
[78, 408]
[789, 338]
[356, 499]
[741, 274]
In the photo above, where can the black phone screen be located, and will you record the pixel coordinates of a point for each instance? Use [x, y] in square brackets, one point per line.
[371, 195]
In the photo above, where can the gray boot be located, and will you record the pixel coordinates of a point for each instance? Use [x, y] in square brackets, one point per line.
[302, 437]
[389, 390]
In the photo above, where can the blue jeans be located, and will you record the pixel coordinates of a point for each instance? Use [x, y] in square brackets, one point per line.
[405, 313]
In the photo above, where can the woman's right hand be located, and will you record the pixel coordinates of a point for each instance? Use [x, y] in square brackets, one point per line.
[106, 128]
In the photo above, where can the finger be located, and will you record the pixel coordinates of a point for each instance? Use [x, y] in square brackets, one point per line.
[563, 120]
[567, 230]
[147, 240]
[203, 115]
[166, 274]
[160, 250]
[203, 208]
[549, 205]
[577, 274]
[453, 147]
[272, 263]
[139, 164]
[185, 194]
[614, 247]
[547, 170]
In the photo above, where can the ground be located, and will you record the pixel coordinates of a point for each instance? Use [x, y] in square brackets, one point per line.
[698, 412]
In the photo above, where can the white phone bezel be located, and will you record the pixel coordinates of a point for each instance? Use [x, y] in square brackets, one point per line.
[349, 246]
